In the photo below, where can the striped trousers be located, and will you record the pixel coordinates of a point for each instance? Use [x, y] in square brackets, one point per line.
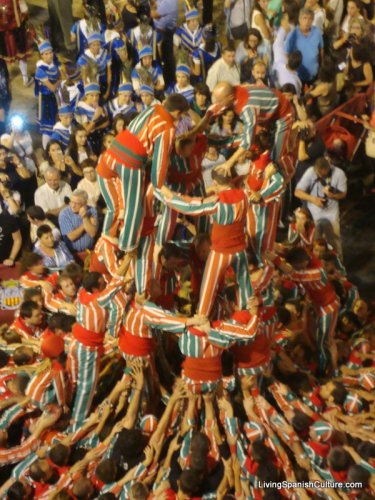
[111, 192]
[84, 363]
[214, 271]
[116, 312]
[261, 225]
[328, 316]
[279, 153]
[143, 263]
[132, 192]
[11, 415]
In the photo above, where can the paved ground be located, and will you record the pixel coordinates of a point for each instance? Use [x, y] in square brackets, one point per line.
[358, 221]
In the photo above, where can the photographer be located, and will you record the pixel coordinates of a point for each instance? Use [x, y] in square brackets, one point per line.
[310, 146]
[16, 176]
[10, 201]
[322, 187]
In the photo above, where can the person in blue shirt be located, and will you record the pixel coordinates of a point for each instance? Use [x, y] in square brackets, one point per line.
[62, 130]
[82, 29]
[309, 41]
[123, 103]
[148, 70]
[206, 54]
[47, 81]
[117, 48]
[182, 85]
[164, 15]
[95, 53]
[144, 34]
[78, 223]
[190, 35]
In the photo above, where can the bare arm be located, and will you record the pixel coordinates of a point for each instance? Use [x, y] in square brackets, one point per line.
[17, 244]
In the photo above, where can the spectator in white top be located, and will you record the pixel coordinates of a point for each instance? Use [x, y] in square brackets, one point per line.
[211, 159]
[225, 69]
[89, 183]
[319, 13]
[353, 11]
[286, 72]
[51, 196]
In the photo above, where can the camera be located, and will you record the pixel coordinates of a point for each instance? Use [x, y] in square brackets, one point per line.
[303, 134]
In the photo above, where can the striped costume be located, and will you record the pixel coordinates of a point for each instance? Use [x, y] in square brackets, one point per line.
[137, 335]
[115, 45]
[47, 105]
[228, 212]
[25, 331]
[189, 40]
[87, 347]
[83, 114]
[187, 92]
[145, 250]
[47, 387]
[263, 288]
[80, 31]
[263, 217]
[260, 105]
[155, 73]
[205, 59]
[252, 349]
[322, 295]
[104, 260]
[102, 60]
[62, 134]
[151, 133]
[114, 108]
[139, 39]
[202, 365]
[184, 176]
[305, 239]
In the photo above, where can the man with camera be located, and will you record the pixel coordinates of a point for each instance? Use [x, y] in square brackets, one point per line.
[322, 187]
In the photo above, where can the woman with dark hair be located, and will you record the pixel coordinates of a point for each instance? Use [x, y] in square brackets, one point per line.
[55, 158]
[227, 125]
[77, 152]
[359, 70]
[248, 48]
[260, 21]
[202, 98]
[16, 177]
[119, 123]
[324, 91]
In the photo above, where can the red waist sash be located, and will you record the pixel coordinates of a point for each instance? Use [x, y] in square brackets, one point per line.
[129, 150]
[203, 369]
[87, 337]
[229, 238]
[135, 346]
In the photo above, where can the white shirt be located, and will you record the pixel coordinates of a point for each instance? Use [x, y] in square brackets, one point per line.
[92, 189]
[284, 75]
[207, 166]
[309, 183]
[221, 72]
[49, 199]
